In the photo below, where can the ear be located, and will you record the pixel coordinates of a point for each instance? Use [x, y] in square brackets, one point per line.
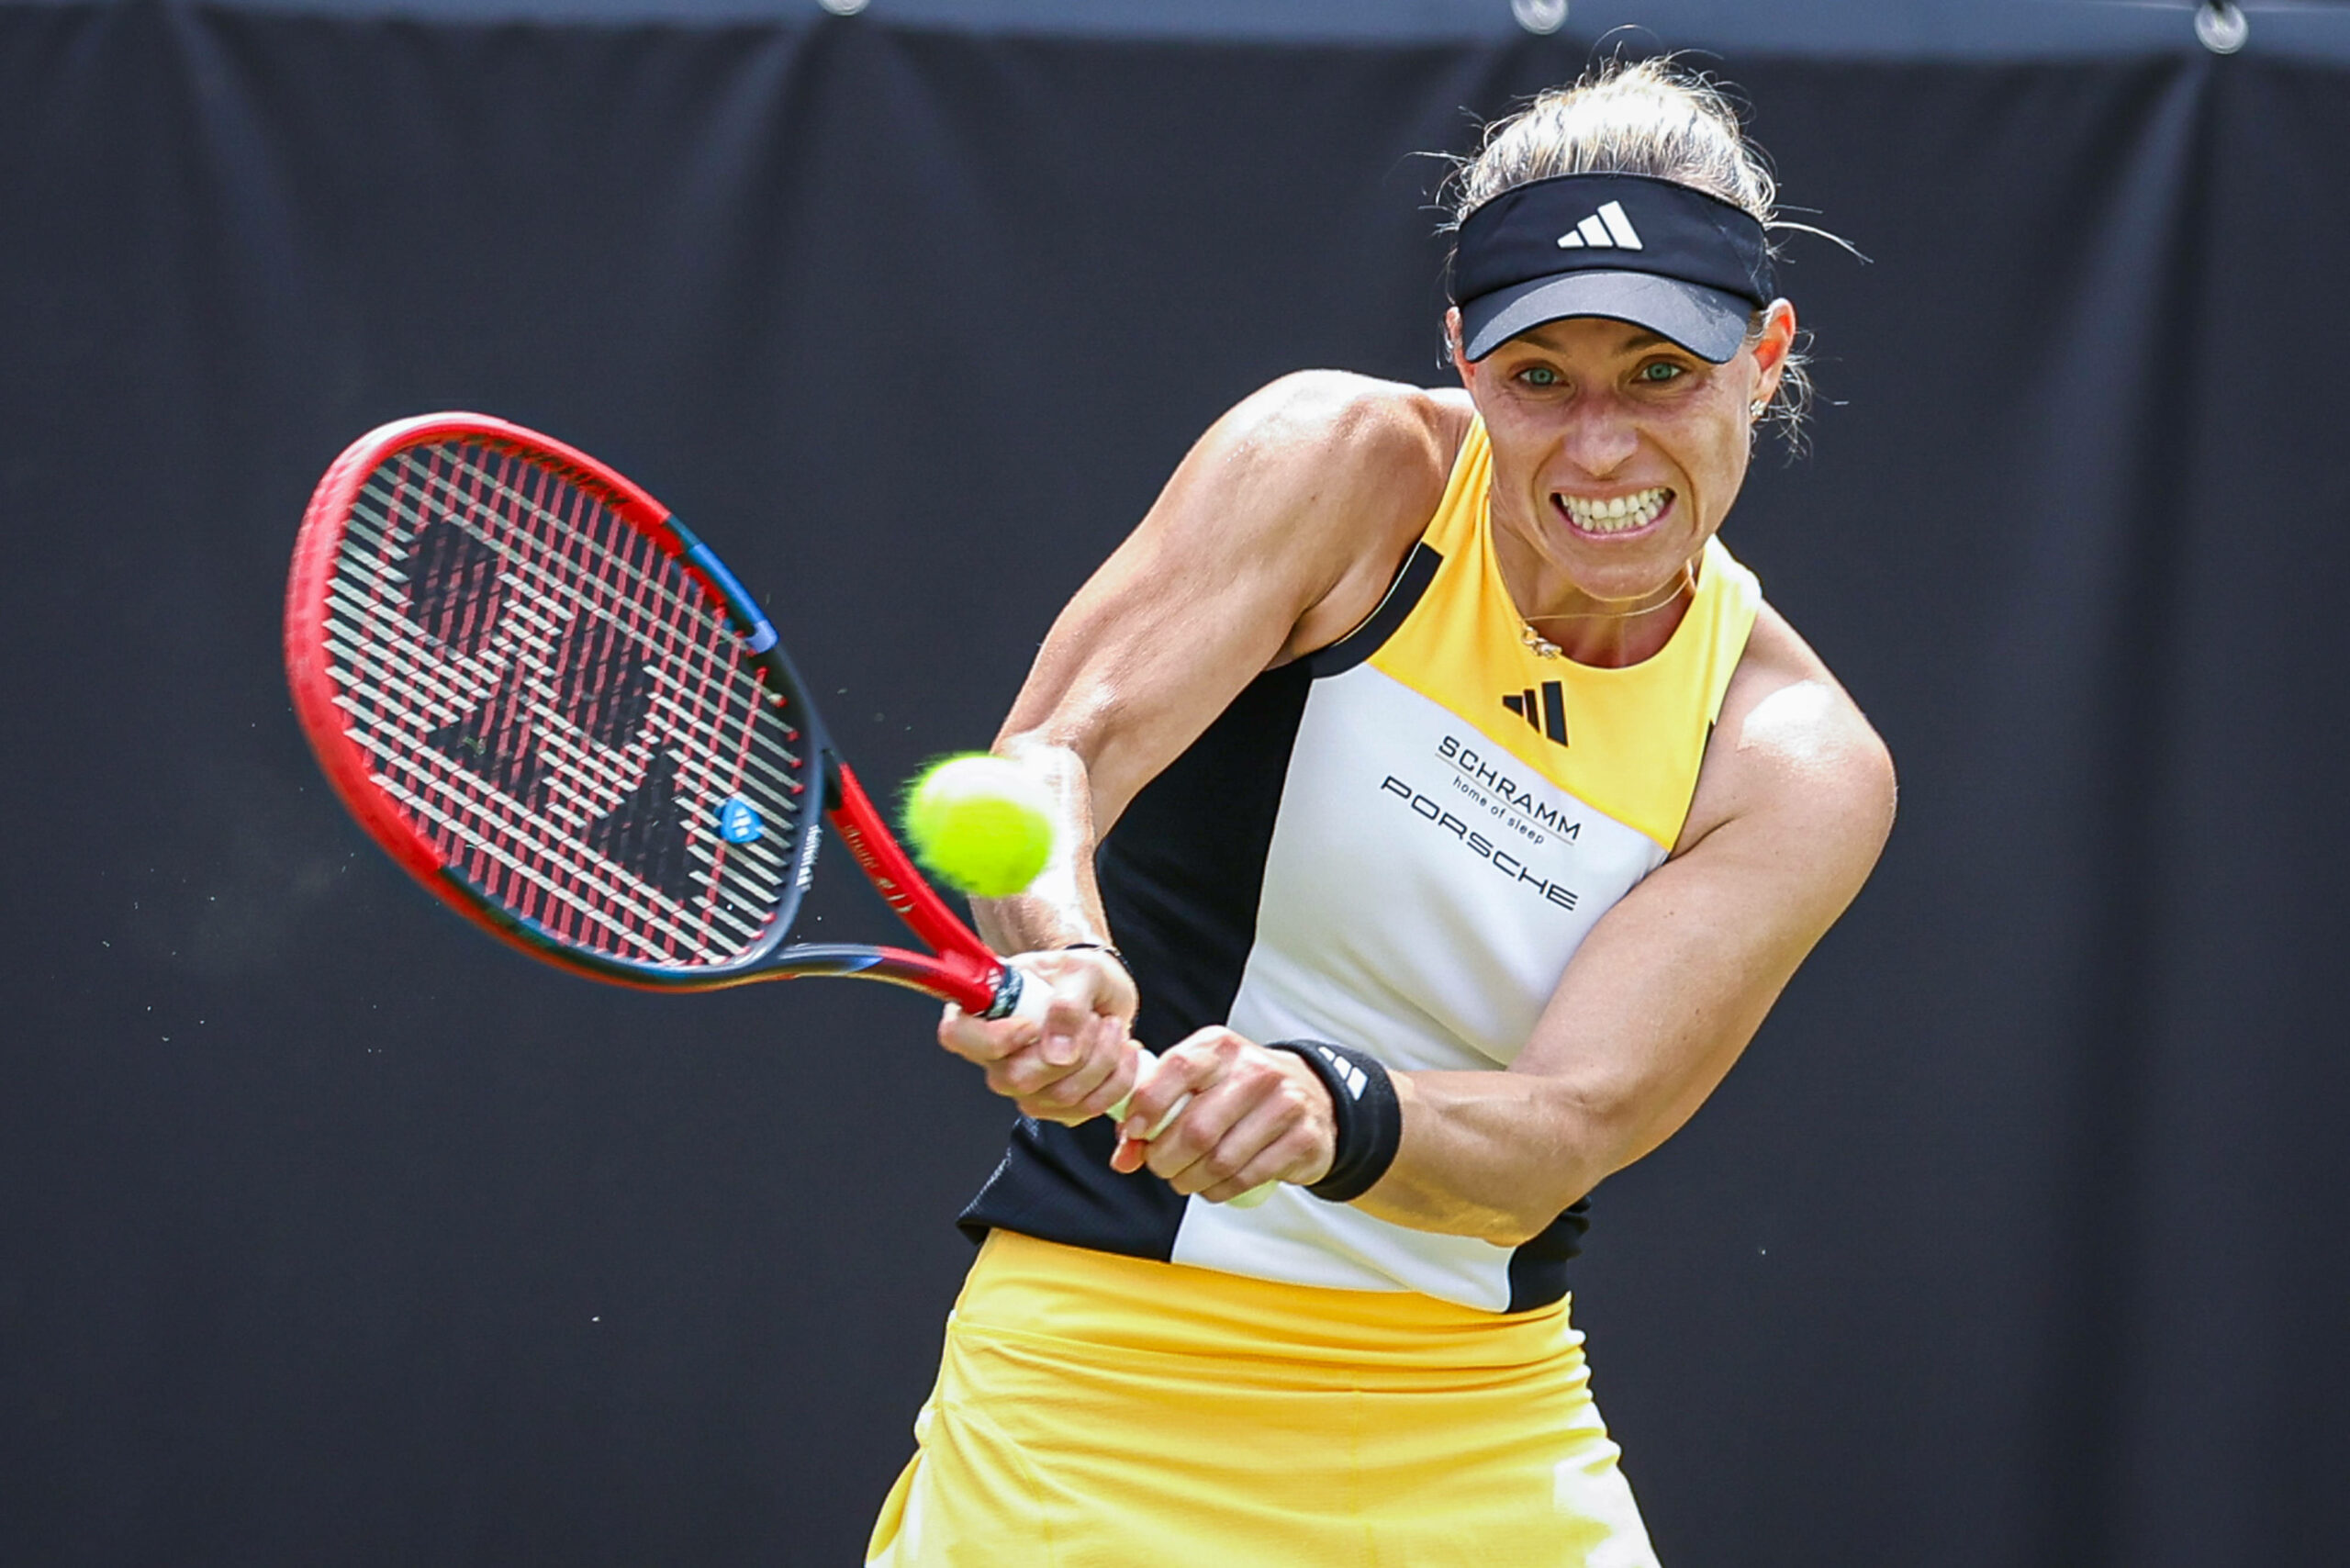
[1461, 363]
[1770, 349]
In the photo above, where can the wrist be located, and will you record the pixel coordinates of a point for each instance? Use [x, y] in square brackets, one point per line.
[1065, 962]
[1098, 947]
[1366, 1118]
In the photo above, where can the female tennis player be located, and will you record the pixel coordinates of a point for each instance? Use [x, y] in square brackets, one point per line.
[1458, 808]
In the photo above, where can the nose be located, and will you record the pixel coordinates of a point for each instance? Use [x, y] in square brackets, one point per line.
[1599, 435]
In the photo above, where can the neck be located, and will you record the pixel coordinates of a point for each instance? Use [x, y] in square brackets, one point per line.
[1604, 633]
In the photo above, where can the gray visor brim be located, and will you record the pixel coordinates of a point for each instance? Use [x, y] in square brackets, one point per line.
[1706, 321]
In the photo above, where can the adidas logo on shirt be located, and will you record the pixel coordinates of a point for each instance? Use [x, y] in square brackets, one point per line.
[1607, 229]
[1548, 715]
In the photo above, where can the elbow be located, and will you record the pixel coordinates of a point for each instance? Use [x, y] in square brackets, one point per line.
[1591, 1133]
[1524, 1223]
[1518, 1231]
[1535, 1202]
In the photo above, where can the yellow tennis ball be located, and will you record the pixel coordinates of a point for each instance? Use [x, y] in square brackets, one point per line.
[980, 824]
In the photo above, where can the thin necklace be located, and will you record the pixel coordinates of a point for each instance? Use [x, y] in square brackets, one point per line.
[1543, 648]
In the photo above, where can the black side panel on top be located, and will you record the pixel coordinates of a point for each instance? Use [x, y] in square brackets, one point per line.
[1538, 1269]
[1182, 871]
[1180, 876]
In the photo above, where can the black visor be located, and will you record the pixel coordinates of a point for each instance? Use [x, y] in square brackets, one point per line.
[1660, 255]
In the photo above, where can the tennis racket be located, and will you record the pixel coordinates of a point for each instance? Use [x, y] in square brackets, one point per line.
[552, 703]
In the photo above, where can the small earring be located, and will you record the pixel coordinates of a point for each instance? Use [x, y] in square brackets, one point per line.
[1756, 409]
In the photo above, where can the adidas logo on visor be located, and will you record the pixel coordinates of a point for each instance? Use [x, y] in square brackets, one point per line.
[1607, 229]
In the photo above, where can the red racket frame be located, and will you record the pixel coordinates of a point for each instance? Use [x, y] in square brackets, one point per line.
[960, 968]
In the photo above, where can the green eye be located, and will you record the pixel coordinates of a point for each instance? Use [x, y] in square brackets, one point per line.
[1539, 376]
[1660, 370]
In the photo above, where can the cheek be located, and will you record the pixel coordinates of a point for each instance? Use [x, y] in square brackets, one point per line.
[1724, 470]
[1517, 441]
[1717, 439]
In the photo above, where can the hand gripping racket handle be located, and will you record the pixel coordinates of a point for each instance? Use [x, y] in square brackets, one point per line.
[1117, 1112]
[1034, 996]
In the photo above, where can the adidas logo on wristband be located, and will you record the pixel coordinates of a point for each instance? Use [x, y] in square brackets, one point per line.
[1348, 1073]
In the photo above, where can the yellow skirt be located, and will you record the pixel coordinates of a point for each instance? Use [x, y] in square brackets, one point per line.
[1094, 1411]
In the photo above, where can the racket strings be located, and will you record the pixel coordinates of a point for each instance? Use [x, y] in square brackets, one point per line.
[653, 844]
[559, 707]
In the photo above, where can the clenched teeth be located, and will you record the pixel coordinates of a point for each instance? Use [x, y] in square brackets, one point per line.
[1618, 514]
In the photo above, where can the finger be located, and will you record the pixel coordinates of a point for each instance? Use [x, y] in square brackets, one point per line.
[1197, 1131]
[1065, 1023]
[1270, 1142]
[1075, 1094]
[1077, 1003]
[1031, 1075]
[1027, 1073]
[978, 1040]
[1182, 1070]
[1252, 1102]
[1124, 1070]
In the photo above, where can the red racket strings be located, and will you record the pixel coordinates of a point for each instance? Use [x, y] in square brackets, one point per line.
[559, 708]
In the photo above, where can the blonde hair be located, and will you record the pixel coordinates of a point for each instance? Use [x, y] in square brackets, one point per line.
[1648, 116]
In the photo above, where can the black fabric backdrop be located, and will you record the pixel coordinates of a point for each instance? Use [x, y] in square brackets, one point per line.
[331, 1234]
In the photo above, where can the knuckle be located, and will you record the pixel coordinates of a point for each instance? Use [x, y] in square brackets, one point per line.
[978, 1042]
[1067, 1093]
[1172, 1154]
[1305, 1160]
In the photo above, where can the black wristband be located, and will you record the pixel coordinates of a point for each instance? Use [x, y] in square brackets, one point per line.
[1370, 1118]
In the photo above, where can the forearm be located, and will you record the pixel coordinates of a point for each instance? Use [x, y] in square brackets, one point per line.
[1496, 1155]
[1500, 1155]
[1063, 905]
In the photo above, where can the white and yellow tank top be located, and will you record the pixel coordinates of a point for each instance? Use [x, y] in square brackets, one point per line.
[1397, 843]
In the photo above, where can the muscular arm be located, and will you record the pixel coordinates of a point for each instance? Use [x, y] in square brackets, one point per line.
[1279, 531]
[1794, 804]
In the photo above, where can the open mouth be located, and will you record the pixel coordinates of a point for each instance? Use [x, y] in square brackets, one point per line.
[1614, 514]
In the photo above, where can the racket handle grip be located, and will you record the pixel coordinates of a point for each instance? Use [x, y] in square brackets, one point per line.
[1117, 1112]
[1030, 996]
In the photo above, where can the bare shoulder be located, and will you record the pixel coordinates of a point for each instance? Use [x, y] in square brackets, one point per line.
[1277, 533]
[1334, 445]
[1341, 413]
[1794, 765]
[1339, 474]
